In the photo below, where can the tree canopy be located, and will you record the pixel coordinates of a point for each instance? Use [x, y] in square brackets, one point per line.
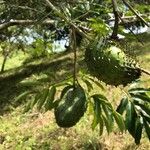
[40, 14]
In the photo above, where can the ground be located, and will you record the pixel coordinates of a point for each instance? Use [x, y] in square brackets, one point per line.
[36, 130]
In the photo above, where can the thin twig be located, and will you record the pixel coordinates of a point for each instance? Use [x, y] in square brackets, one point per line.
[75, 56]
[145, 71]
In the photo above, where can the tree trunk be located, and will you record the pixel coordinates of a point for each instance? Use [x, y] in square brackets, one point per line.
[116, 25]
[3, 64]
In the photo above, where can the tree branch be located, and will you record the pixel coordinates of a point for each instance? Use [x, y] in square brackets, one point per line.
[130, 18]
[24, 22]
[68, 21]
[132, 9]
[116, 25]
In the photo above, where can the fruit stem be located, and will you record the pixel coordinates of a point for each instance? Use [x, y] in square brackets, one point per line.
[75, 56]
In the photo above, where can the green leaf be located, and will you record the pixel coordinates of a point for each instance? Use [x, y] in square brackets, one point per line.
[90, 106]
[37, 97]
[122, 106]
[99, 85]
[50, 98]
[99, 26]
[95, 122]
[143, 97]
[119, 121]
[97, 112]
[106, 110]
[101, 126]
[147, 118]
[100, 96]
[148, 94]
[22, 96]
[42, 98]
[147, 128]
[138, 90]
[96, 82]
[107, 104]
[109, 118]
[65, 90]
[107, 124]
[130, 118]
[103, 100]
[27, 107]
[138, 129]
[144, 108]
[137, 101]
[88, 84]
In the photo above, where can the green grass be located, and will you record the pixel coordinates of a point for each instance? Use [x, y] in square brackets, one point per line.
[15, 61]
[38, 131]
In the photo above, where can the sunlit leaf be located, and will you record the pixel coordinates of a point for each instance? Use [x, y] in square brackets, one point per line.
[142, 96]
[109, 117]
[144, 108]
[35, 100]
[138, 90]
[122, 106]
[42, 99]
[99, 26]
[50, 98]
[97, 112]
[27, 107]
[88, 84]
[119, 121]
[22, 96]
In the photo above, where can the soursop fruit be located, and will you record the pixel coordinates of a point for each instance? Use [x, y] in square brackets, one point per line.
[110, 64]
[71, 107]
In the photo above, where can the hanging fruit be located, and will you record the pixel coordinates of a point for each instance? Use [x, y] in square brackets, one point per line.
[71, 107]
[110, 64]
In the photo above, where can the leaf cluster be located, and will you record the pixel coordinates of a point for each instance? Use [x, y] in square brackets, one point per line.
[136, 107]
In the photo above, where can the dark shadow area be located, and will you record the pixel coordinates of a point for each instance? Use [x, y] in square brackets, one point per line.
[10, 81]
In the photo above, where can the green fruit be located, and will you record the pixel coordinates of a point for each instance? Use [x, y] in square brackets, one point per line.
[71, 107]
[111, 65]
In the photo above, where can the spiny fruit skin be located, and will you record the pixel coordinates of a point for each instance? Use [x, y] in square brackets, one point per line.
[111, 65]
[71, 107]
